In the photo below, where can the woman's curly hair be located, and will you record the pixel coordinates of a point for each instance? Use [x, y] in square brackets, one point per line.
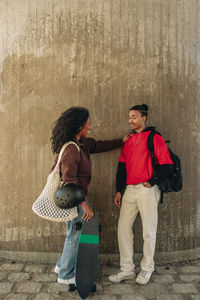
[68, 126]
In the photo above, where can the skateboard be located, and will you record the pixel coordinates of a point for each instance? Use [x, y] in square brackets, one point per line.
[87, 257]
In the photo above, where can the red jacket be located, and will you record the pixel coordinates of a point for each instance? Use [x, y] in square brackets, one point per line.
[136, 156]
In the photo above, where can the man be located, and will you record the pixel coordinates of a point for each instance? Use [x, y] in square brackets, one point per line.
[135, 174]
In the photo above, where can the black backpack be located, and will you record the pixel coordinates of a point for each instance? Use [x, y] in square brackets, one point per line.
[172, 183]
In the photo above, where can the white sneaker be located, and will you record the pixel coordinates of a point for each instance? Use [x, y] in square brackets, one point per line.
[122, 275]
[143, 277]
[56, 269]
[67, 281]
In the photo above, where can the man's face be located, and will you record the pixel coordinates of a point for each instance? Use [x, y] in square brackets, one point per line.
[136, 121]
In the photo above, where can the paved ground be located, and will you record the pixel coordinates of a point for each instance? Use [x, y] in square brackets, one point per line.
[27, 281]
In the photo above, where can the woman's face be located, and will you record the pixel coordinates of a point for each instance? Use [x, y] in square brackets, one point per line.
[86, 128]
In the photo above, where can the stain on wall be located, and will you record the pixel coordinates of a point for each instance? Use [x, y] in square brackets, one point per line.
[107, 56]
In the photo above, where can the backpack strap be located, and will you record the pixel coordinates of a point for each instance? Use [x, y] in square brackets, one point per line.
[150, 147]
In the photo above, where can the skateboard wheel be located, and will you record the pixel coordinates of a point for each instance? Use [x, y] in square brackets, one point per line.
[94, 288]
[72, 287]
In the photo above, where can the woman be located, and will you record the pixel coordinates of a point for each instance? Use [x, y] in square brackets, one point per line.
[74, 125]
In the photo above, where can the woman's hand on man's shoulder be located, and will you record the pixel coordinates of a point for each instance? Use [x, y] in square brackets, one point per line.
[126, 137]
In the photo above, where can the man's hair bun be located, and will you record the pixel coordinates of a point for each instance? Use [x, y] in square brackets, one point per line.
[144, 107]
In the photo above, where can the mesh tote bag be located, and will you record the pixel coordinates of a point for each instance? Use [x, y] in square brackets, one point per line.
[45, 206]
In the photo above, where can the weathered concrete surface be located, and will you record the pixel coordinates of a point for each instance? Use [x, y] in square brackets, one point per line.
[105, 55]
[38, 282]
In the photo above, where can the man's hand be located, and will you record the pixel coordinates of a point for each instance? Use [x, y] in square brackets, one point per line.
[118, 198]
[88, 213]
[125, 138]
[146, 185]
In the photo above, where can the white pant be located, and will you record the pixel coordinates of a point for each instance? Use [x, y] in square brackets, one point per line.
[145, 200]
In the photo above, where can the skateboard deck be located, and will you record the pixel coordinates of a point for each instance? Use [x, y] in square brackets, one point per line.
[87, 257]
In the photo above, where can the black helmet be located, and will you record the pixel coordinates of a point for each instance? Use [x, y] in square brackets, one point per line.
[69, 195]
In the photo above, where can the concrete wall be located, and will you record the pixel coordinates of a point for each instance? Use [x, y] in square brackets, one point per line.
[106, 55]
